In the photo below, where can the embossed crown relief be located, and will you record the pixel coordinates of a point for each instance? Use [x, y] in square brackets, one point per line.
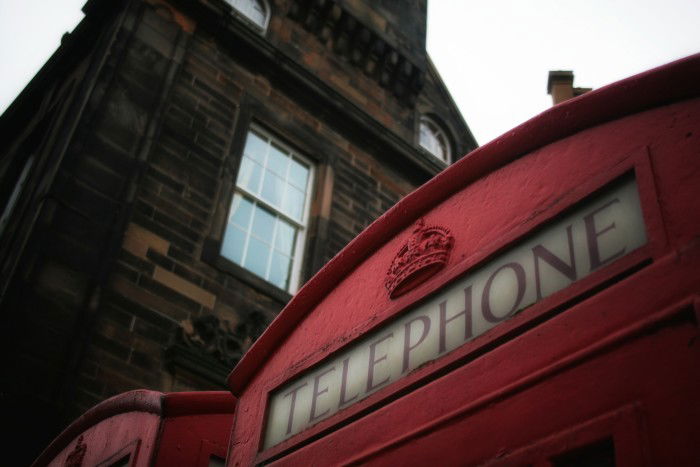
[423, 255]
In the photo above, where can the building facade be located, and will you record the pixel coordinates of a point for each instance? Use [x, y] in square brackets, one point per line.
[178, 169]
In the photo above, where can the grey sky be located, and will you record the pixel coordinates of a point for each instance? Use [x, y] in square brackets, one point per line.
[493, 55]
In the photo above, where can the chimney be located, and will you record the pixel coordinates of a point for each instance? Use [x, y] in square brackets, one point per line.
[560, 86]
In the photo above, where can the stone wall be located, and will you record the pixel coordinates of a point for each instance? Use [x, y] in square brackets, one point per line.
[157, 162]
[111, 264]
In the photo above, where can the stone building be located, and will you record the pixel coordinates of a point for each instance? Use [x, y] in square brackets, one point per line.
[179, 168]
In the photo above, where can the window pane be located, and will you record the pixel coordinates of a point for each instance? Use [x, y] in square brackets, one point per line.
[272, 189]
[298, 174]
[440, 147]
[277, 161]
[257, 13]
[279, 270]
[263, 224]
[293, 203]
[232, 247]
[433, 138]
[284, 239]
[255, 147]
[240, 211]
[598, 454]
[249, 175]
[426, 136]
[429, 140]
[122, 462]
[253, 9]
[257, 256]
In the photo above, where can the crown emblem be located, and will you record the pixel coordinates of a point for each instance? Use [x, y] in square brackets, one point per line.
[423, 255]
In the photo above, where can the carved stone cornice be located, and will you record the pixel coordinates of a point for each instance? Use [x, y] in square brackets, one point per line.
[210, 347]
[361, 46]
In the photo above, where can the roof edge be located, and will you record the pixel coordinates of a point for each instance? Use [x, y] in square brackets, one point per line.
[432, 69]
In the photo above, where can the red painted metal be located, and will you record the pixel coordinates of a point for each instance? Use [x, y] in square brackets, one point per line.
[196, 427]
[604, 369]
[613, 358]
[149, 427]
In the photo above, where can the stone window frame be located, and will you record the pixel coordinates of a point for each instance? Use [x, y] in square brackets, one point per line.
[256, 112]
[300, 225]
[237, 8]
[439, 133]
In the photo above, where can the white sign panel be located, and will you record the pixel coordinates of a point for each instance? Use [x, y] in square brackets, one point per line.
[597, 233]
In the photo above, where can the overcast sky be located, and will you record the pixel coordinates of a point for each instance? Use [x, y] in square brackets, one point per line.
[493, 55]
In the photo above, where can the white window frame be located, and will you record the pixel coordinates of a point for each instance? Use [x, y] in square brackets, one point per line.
[237, 7]
[439, 133]
[301, 226]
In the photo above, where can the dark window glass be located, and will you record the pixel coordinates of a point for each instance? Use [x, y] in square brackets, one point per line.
[122, 462]
[598, 454]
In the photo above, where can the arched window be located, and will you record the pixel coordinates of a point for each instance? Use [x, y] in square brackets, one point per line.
[434, 139]
[256, 11]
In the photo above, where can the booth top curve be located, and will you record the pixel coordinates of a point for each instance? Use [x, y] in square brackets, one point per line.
[141, 400]
[670, 83]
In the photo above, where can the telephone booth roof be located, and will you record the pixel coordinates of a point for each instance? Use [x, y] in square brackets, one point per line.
[121, 414]
[674, 82]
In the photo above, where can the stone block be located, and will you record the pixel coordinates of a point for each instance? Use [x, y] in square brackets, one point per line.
[138, 240]
[149, 300]
[184, 287]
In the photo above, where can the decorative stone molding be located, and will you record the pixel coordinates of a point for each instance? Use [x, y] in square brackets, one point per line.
[210, 347]
[211, 336]
[361, 46]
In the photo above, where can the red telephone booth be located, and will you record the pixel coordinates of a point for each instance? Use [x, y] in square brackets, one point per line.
[534, 304]
[147, 428]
